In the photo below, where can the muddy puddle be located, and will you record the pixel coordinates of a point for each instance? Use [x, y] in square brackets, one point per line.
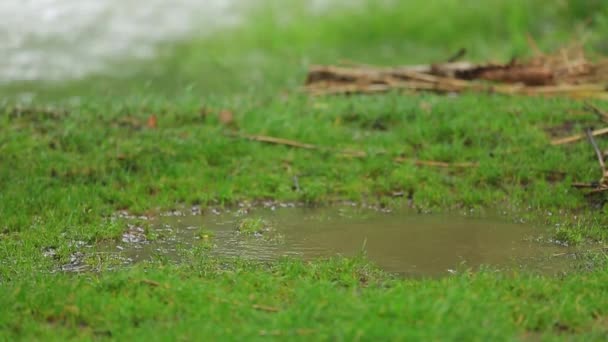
[400, 242]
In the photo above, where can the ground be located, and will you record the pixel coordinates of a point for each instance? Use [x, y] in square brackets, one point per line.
[152, 140]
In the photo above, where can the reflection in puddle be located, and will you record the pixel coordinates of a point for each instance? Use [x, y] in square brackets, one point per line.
[405, 243]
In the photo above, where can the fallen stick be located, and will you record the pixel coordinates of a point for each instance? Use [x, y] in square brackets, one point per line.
[579, 185]
[597, 111]
[440, 85]
[602, 184]
[439, 164]
[444, 164]
[578, 137]
[266, 308]
[297, 144]
[348, 153]
[596, 149]
[299, 332]
[598, 190]
[279, 141]
[150, 282]
[458, 55]
[565, 73]
[446, 85]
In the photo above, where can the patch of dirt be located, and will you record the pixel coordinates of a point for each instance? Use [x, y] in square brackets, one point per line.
[382, 122]
[564, 129]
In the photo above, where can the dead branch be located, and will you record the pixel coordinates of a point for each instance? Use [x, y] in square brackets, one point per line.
[566, 72]
[597, 111]
[348, 152]
[528, 75]
[279, 141]
[297, 144]
[602, 184]
[598, 190]
[439, 164]
[458, 55]
[579, 185]
[533, 45]
[265, 308]
[150, 282]
[578, 137]
[598, 153]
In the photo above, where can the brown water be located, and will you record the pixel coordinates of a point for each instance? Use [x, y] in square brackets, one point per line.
[405, 243]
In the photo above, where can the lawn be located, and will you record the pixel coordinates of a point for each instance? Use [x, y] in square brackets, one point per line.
[149, 139]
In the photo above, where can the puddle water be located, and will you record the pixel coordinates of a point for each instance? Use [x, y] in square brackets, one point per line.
[404, 243]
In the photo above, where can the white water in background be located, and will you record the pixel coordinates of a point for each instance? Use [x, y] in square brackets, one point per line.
[63, 39]
[59, 39]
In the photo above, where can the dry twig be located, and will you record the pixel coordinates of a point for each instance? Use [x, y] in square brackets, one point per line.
[578, 137]
[597, 111]
[603, 182]
[348, 152]
[150, 282]
[265, 308]
[439, 164]
[598, 153]
[279, 141]
[566, 72]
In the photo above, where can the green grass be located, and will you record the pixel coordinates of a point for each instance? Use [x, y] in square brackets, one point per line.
[83, 150]
[336, 299]
[253, 226]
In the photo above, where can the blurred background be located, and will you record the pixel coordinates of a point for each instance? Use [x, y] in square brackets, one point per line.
[55, 39]
[227, 45]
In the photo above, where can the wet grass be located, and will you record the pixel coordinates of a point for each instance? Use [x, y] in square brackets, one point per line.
[337, 299]
[81, 151]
